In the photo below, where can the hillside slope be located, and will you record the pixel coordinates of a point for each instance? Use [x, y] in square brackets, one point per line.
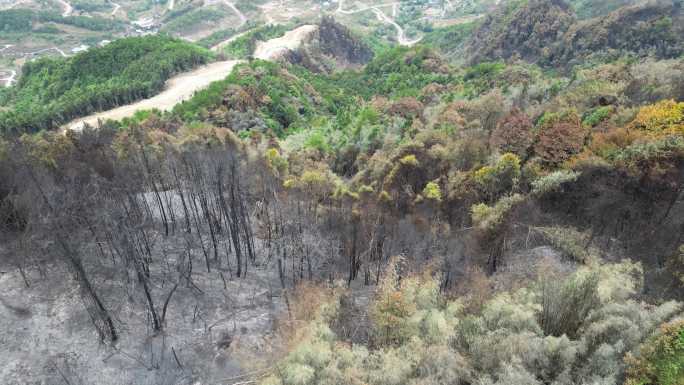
[53, 91]
[548, 33]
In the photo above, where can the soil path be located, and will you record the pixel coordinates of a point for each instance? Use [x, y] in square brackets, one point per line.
[116, 8]
[243, 21]
[243, 18]
[11, 79]
[401, 35]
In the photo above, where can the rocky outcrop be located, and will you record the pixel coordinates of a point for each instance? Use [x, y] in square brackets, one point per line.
[331, 47]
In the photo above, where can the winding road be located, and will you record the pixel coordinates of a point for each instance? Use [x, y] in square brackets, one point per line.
[48, 49]
[401, 35]
[11, 79]
[243, 18]
[116, 8]
[340, 6]
[243, 21]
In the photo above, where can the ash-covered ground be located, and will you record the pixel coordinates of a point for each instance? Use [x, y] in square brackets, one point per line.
[214, 328]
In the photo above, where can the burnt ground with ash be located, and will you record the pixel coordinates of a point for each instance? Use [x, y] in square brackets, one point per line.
[213, 328]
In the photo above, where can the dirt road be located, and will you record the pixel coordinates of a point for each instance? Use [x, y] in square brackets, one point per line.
[10, 79]
[243, 18]
[116, 8]
[178, 89]
[401, 35]
[340, 7]
[243, 21]
[274, 48]
[28, 54]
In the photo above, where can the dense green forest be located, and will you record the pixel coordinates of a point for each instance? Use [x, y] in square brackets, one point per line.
[500, 204]
[53, 91]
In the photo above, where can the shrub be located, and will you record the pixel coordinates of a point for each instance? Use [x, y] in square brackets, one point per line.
[663, 118]
[675, 265]
[407, 107]
[488, 218]
[409, 160]
[499, 178]
[511, 340]
[513, 134]
[572, 243]
[597, 116]
[641, 156]
[606, 144]
[559, 138]
[391, 309]
[566, 304]
[661, 359]
[553, 182]
[276, 161]
[432, 192]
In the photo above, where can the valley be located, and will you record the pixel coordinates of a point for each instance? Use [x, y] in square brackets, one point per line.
[134, 22]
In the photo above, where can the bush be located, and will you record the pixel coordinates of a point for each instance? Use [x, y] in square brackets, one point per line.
[392, 309]
[562, 331]
[675, 266]
[432, 192]
[553, 182]
[500, 178]
[566, 304]
[663, 118]
[559, 138]
[573, 244]
[661, 359]
[597, 116]
[513, 134]
[489, 218]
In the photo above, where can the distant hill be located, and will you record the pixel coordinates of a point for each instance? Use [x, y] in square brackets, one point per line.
[26, 20]
[548, 32]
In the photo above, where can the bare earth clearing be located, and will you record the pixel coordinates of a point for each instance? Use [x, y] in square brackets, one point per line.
[275, 48]
[179, 88]
[213, 329]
